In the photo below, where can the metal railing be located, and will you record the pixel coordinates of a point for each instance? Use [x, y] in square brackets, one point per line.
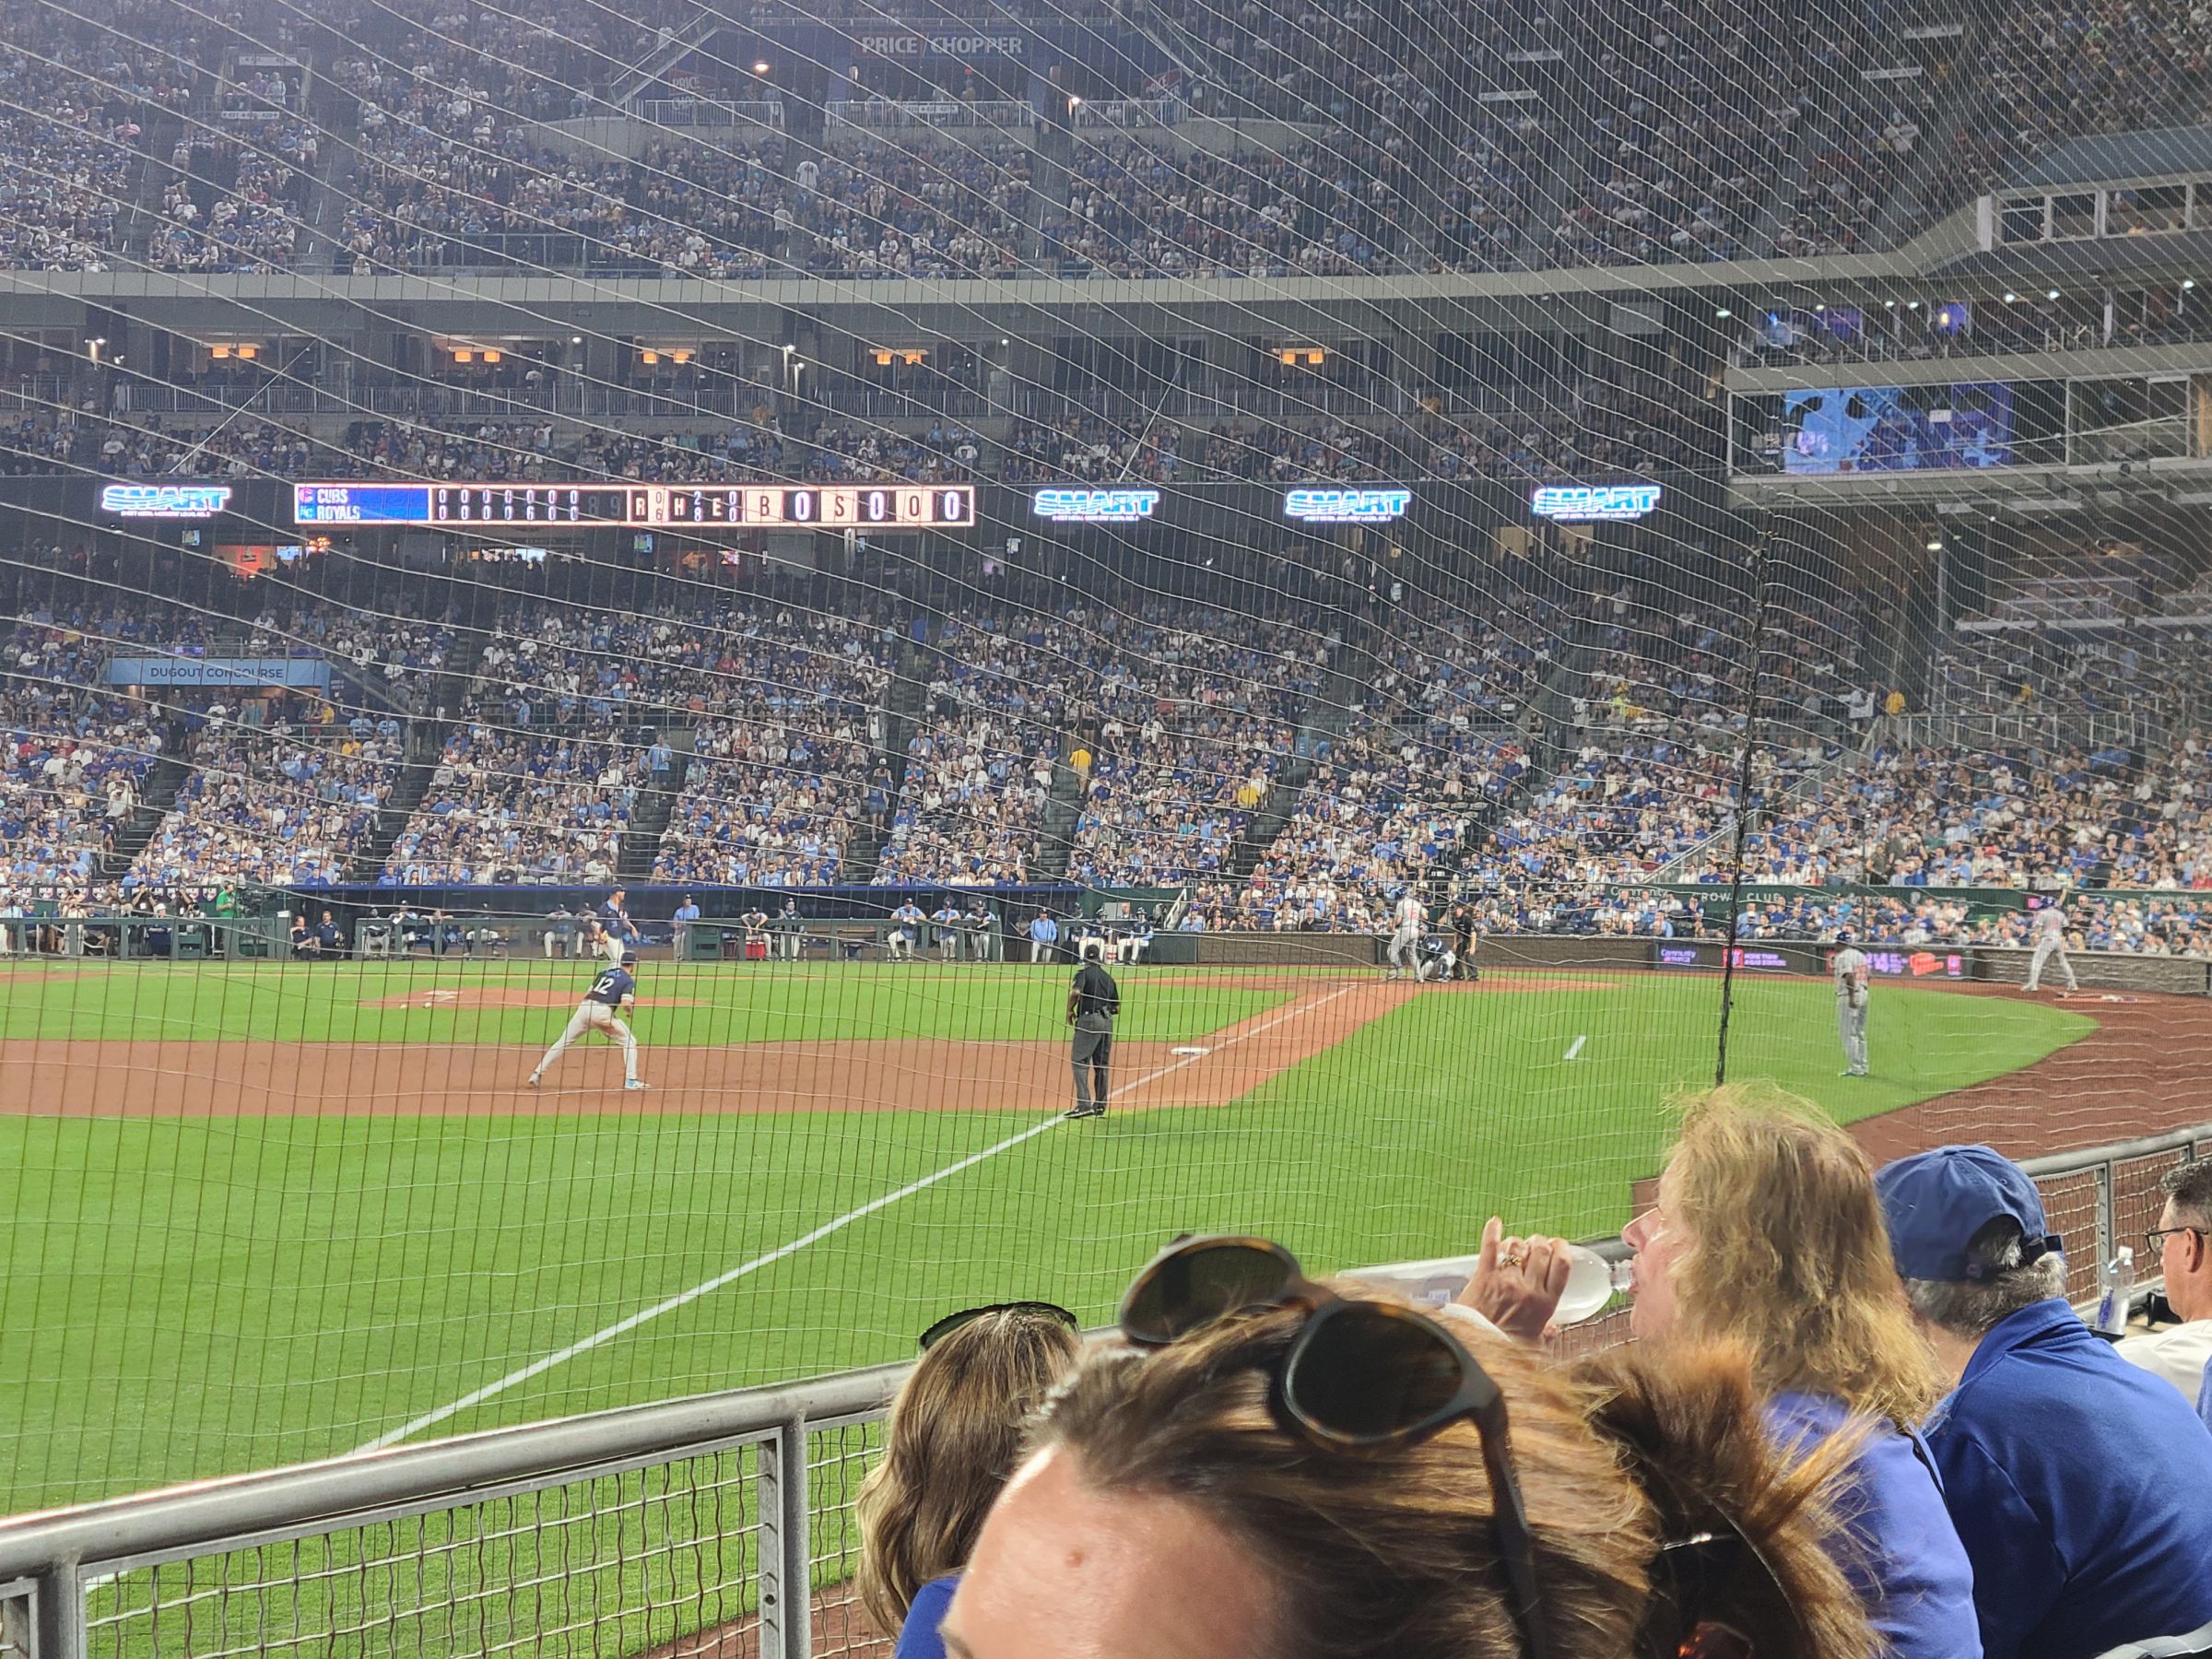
[724, 1523]
[709, 111]
[936, 114]
[618, 1532]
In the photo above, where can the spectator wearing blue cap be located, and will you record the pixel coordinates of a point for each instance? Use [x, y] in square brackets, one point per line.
[2081, 1485]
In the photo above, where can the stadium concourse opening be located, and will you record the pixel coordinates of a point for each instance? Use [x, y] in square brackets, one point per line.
[1473, 555]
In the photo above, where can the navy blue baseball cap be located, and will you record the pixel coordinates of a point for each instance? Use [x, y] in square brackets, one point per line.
[1935, 1202]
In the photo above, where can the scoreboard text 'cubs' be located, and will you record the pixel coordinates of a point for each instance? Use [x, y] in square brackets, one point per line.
[641, 506]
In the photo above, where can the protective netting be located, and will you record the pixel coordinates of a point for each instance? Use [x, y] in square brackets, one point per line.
[846, 504]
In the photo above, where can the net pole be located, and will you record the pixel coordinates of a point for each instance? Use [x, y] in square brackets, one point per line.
[1762, 598]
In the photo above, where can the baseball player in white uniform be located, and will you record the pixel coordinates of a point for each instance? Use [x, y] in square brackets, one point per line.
[1851, 975]
[613, 993]
[2049, 932]
[1409, 919]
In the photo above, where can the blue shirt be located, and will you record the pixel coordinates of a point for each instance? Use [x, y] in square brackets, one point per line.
[918, 1636]
[1908, 1564]
[2204, 1398]
[2082, 1486]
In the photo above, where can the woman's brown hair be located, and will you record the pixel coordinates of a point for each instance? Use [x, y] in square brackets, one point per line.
[1787, 1253]
[1392, 1554]
[952, 1440]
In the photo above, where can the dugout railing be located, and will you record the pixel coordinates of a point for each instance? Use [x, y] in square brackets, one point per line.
[721, 1525]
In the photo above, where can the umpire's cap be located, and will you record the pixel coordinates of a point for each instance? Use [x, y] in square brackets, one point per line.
[630, 958]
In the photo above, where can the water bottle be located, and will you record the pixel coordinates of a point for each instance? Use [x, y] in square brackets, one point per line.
[2117, 1302]
[1592, 1282]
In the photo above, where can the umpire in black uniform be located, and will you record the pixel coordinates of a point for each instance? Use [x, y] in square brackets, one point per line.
[1462, 941]
[1092, 1001]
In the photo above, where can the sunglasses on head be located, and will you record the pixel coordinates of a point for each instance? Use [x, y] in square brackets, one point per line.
[1357, 1377]
[966, 1316]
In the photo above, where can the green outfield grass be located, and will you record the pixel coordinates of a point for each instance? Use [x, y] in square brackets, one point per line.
[189, 1295]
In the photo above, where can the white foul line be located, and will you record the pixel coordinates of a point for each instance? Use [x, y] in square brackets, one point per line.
[1576, 1047]
[707, 1288]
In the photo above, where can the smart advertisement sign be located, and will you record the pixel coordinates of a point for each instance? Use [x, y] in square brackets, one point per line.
[1079, 506]
[1583, 504]
[1330, 504]
[164, 500]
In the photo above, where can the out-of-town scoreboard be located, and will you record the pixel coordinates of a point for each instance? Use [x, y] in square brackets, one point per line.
[873, 507]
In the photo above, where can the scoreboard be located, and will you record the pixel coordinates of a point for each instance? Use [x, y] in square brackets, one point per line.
[639, 506]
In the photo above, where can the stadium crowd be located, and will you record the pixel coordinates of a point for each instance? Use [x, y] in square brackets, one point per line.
[76, 756]
[1139, 209]
[268, 803]
[786, 752]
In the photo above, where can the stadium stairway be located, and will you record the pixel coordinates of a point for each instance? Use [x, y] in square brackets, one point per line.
[1062, 808]
[426, 747]
[1276, 809]
[1820, 131]
[904, 702]
[155, 801]
[156, 143]
[1935, 161]
[649, 818]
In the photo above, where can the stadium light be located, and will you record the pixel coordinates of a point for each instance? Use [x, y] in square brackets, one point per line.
[1722, 315]
[1888, 305]
[760, 67]
[1935, 546]
[2011, 297]
[2049, 293]
[1912, 305]
[2189, 284]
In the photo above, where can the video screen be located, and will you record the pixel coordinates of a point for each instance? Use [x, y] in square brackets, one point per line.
[1897, 429]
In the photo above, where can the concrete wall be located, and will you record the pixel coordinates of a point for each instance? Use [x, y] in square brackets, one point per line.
[2102, 970]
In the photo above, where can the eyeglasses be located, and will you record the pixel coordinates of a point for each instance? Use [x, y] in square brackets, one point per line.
[966, 1316]
[1359, 1377]
[2155, 1238]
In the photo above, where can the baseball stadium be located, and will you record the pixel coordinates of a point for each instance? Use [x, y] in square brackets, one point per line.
[689, 685]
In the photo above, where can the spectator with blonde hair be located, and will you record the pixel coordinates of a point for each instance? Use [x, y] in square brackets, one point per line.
[953, 1438]
[1767, 1232]
[1292, 1476]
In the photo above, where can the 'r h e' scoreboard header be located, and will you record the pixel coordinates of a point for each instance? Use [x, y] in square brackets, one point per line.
[639, 506]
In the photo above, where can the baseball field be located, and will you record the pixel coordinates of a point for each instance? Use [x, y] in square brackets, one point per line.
[263, 1213]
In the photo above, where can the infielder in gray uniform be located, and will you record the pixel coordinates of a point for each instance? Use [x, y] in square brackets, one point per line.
[1852, 972]
[2048, 932]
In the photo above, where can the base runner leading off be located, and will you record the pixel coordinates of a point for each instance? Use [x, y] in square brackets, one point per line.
[614, 989]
